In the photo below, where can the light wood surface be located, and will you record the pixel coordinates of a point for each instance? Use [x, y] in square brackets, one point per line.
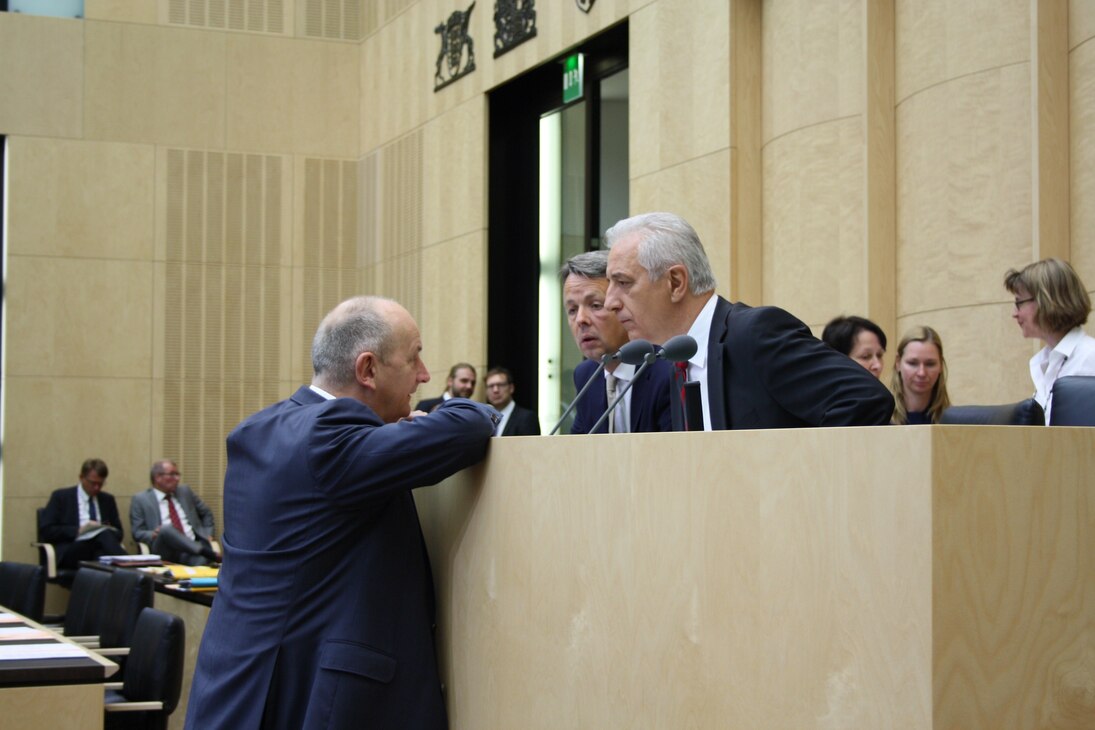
[907, 577]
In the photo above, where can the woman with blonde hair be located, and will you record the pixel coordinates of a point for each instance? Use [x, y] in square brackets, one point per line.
[1051, 305]
[919, 380]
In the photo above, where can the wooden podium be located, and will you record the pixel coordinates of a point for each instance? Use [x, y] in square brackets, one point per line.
[893, 577]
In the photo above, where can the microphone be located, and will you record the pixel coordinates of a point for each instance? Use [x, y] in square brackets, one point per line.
[632, 353]
[648, 359]
[678, 349]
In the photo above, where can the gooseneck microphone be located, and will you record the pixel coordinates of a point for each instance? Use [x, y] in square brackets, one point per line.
[648, 359]
[678, 349]
[632, 353]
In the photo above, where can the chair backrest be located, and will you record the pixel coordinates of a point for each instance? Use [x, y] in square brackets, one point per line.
[126, 594]
[83, 617]
[41, 514]
[1024, 413]
[23, 588]
[1073, 401]
[154, 668]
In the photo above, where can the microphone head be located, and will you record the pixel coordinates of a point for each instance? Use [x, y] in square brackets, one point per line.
[679, 348]
[634, 352]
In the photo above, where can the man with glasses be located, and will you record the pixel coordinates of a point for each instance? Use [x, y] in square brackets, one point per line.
[82, 522]
[173, 521]
[516, 421]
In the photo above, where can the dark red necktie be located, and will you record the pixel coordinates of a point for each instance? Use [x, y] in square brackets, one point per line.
[175, 521]
[682, 377]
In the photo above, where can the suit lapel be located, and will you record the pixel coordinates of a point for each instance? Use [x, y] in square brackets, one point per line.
[717, 369]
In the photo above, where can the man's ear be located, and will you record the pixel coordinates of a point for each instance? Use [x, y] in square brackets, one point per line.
[677, 276]
[365, 369]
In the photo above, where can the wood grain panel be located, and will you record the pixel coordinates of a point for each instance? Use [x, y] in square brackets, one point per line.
[454, 178]
[746, 201]
[453, 308]
[963, 189]
[1082, 167]
[1081, 22]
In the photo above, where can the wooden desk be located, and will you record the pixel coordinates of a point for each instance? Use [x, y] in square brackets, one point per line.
[63, 693]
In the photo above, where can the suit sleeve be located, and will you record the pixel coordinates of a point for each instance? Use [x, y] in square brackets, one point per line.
[661, 393]
[54, 527]
[812, 381]
[361, 462]
[142, 531]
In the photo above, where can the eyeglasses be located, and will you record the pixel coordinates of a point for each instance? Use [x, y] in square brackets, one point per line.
[492, 386]
[1020, 302]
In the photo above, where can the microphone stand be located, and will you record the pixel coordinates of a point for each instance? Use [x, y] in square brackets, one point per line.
[648, 360]
[604, 361]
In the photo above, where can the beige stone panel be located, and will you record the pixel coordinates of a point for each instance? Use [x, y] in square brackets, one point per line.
[154, 84]
[939, 40]
[81, 318]
[453, 320]
[455, 172]
[292, 95]
[41, 87]
[697, 190]
[126, 11]
[21, 518]
[963, 189]
[1082, 168]
[679, 107]
[985, 352]
[812, 63]
[51, 425]
[814, 241]
[86, 199]
[1081, 22]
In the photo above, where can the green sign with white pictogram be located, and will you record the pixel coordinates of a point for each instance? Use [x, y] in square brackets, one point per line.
[573, 72]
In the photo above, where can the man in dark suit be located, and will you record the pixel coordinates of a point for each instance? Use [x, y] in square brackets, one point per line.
[325, 609]
[756, 367]
[173, 521]
[516, 421]
[82, 522]
[460, 384]
[645, 406]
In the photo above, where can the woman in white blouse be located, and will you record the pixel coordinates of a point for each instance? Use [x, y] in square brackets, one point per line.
[1051, 304]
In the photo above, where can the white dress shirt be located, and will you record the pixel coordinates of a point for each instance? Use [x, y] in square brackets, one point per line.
[700, 331]
[1073, 355]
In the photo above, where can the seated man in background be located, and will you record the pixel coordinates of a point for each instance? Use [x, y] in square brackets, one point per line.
[461, 384]
[82, 522]
[645, 406]
[173, 521]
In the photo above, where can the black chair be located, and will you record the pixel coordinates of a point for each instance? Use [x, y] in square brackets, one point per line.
[1073, 401]
[47, 557]
[23, 589]
[127, 593]
[153, 677]
[83, 618]
[1024, 413]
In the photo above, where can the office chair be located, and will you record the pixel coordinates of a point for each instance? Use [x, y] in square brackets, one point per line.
[1024, 413]
[1073, 401]
[153, 677]
[23, 589]
[47, 557]
[127, 593]
[83, 617]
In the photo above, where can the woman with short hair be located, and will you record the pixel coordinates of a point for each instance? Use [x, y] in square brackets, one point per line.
[1051, 304]
[858, 338]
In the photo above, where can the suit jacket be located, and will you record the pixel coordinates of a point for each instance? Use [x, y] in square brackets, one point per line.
[144, 514]
[61, 521]
[522, 422]
[766, 370]
[325, 608]
[650, 409]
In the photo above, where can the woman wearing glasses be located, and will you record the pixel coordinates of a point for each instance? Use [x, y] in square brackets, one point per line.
[1051, 305]
[919, 381]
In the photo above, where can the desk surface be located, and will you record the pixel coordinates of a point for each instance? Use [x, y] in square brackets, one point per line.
[89, 667]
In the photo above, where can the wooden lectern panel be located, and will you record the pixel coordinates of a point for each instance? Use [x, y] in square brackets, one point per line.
[897, 577]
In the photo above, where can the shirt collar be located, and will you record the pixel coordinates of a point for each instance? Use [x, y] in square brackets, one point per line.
[320, 391]
[701, 331]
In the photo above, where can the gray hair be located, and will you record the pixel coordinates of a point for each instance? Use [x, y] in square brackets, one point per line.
[158, 468]
[355, 326]
[589, 265]
[669, 241]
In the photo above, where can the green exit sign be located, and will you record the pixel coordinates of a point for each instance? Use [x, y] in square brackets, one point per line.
[573, 73]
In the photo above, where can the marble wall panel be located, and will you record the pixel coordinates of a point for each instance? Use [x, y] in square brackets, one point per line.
[80, 199]
[940, 40]
[698, 191]
[812, 68]
[126, 11]
[154, 84]
[292, 95]
[963, 189]
[78, 317]
[454, 186]
[679, 76]
[41, 87]
[815, 263]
